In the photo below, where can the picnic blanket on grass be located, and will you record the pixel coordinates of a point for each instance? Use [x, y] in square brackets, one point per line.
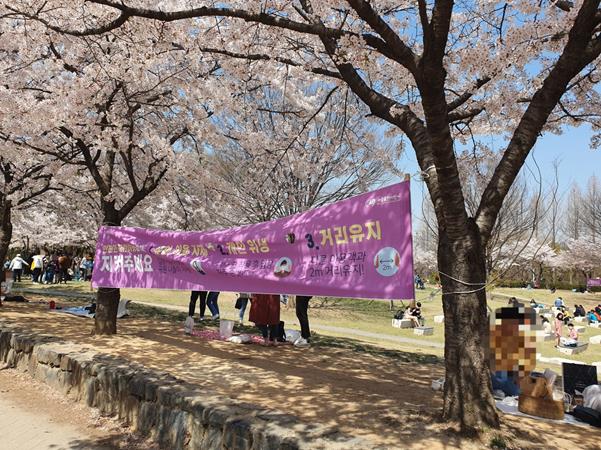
[213, 335]
[513, 410]
[81, 311]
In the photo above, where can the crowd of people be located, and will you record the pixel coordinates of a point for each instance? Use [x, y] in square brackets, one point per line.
[51, 267]
[562, 316]
[264, 313]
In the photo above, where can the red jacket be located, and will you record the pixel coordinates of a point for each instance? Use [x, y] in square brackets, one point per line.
[265, 309]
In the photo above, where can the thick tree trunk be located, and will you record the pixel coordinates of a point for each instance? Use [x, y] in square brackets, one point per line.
[468, 392]
[107, 299]
[107, 302]
[6, 233]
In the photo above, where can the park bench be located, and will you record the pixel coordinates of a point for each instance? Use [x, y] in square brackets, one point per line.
[402, 323]
[595, 339]
[423, 331]
[582, 346]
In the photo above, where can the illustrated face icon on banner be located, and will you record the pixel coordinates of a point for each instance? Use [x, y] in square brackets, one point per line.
[197, 266]
[283, 267]
[387, 261]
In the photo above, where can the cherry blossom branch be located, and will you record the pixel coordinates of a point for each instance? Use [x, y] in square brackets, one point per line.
[399, 51]
[264, 57]
[576, 55]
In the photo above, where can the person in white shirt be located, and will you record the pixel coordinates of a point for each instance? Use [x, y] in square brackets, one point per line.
[16, 265]
[36, 267]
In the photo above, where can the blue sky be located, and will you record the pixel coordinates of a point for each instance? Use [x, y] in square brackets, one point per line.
[572, 148]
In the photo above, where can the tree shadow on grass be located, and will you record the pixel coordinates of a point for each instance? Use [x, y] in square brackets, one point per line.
[318, 340]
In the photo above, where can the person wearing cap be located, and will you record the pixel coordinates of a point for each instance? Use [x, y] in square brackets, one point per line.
[16, 265]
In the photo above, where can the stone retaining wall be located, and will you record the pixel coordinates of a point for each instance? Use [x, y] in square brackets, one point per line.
[174, 413]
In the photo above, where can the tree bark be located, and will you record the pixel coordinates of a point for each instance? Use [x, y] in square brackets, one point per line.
[6, 233]
[107, 299]
[468, 393]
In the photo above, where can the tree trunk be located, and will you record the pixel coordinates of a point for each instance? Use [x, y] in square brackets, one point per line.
[107, 302]
[468, 391]
[107, 299]
[6, 233]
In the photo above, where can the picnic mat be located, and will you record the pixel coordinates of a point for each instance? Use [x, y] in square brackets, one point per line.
[512, 408]
[213, 335]
[75, 311]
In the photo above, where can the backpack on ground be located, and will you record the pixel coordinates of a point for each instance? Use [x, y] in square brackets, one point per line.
[280, 333]
[399, 314]
[587, 415]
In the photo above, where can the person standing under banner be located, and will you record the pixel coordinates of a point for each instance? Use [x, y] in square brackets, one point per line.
[302, 307]
[212, 304]
[241, 304]
[194, 296]
[265, 313]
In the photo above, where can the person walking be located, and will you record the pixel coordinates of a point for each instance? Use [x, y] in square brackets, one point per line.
[16, 265]
[83, 268]
[194, 297]
[37, 266]
[212, 304]
[302, 307]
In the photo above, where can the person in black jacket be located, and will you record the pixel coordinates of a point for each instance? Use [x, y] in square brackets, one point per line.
[302, 307]
[194, 296]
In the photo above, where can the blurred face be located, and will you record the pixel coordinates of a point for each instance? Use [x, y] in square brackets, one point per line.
[513, 340]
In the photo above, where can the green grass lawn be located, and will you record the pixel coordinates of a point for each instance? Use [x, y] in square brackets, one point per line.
[369, 316]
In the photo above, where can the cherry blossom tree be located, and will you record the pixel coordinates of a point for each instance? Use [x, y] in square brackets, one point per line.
[290, 151]
[582, 254]
[436, 71]
[22, 181]
[24, 177]
[118, 119]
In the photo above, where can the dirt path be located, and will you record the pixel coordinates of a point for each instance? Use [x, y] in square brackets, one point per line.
[32, 416]
[22, 429]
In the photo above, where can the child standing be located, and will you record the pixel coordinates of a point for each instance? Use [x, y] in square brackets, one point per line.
[558, 328]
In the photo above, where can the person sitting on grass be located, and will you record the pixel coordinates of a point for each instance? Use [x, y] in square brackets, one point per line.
[572, 332]
[592, 317]
[415, 314]
[514, 303]
[546, 325]
[567, 316]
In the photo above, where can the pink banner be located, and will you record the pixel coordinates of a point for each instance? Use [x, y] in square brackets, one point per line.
[358, 248]
[593, 282]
